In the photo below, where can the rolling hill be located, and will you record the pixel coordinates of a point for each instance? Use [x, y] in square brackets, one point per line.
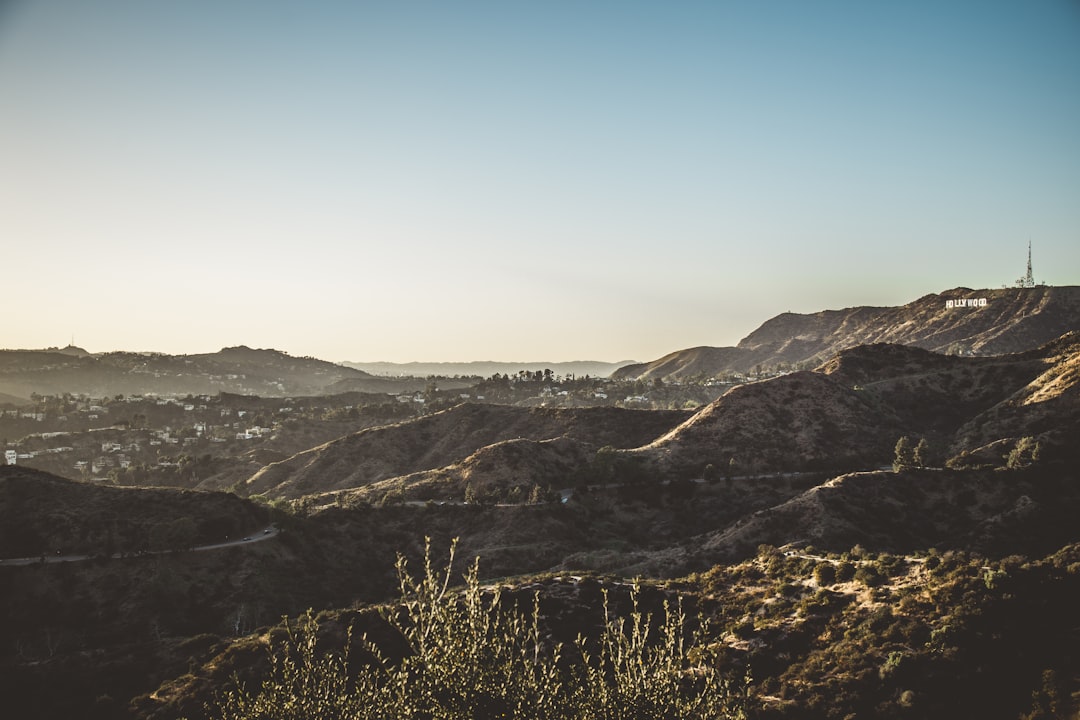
[449, 437]
[846, 415]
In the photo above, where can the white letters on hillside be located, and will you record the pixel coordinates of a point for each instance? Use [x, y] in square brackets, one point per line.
[965, 302]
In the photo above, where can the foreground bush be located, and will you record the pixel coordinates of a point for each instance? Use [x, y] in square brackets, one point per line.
[470, 657]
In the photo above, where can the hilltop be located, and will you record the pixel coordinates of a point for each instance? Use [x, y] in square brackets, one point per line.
[960, 321]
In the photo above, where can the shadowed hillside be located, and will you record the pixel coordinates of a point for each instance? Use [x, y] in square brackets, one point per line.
[44, 514]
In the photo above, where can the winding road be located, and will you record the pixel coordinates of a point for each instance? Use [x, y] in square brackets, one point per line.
[264, 534]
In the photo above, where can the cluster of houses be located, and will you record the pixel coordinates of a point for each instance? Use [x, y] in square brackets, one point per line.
[127, 444]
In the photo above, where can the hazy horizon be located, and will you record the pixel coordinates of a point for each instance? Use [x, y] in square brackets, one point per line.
[431, 182]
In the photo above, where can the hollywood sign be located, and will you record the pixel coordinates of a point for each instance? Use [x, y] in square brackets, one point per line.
[965, 302]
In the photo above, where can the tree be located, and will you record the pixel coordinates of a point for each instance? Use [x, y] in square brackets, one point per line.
[604, 463]
[1023, 454]
[905, 454]
[536, 496]
[921, 453]
[824, 574]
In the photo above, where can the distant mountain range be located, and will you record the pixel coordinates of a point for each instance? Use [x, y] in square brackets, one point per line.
[959, 321]
[242, 370]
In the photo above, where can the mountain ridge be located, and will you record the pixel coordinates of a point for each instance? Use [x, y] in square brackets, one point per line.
[239, 369]
[957, 321]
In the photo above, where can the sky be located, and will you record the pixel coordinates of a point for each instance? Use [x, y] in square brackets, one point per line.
[520, 181]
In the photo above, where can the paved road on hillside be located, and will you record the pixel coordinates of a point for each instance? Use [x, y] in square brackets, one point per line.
[265, 534]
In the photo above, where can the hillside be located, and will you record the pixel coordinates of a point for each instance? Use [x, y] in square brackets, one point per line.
[1011, 320]
[242, 370]
[121, 628]
[846, 415]
[924, 594]
[803, 420]
[508, 471]
[989, 512]
[44, 514]
[448, 437]
[849, 413]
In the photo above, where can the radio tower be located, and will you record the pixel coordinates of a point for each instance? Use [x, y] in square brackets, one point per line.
[1028, 281]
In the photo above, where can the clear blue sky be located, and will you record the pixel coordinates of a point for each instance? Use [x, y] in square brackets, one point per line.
[520, 180]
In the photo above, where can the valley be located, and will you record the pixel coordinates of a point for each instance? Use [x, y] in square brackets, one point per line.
[872, 523]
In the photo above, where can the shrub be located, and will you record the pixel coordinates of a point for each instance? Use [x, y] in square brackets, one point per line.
[824, 574]
[468, 656]
[868, 576]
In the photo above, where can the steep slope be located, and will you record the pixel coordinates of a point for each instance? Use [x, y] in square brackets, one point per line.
[960, 321]
[1046, 408]
[448, 437]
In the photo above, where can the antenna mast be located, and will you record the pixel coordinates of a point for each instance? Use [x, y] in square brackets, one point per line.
[1028, 281]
